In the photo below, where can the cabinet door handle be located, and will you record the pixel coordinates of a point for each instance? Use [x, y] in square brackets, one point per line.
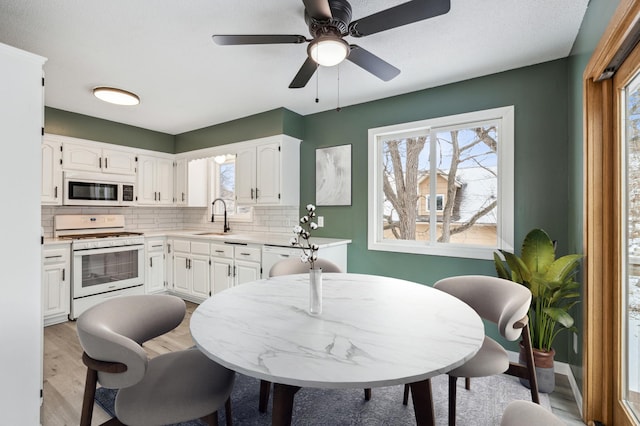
[183, 196]
[151, 262]
[256, 194]
[159, 196]
[105, 163]
[252, 193]
[100, 162]
[186, 263]
[169, 248]
[55, 192]
[64, 274]
[234, 270]
[228, 270]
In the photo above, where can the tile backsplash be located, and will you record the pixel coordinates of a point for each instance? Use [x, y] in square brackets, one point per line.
[265, 219]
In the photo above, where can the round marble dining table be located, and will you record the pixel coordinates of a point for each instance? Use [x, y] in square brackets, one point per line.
[373, 331]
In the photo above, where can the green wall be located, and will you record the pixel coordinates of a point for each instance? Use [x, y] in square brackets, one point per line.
[275, 122]
[66, 123]
[593, 25]
[539, 94]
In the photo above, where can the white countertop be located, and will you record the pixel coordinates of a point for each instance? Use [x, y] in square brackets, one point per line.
[240, 237]
[243, 237]
[373, 331]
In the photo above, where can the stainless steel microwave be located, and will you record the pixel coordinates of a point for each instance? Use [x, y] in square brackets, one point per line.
[95, 189]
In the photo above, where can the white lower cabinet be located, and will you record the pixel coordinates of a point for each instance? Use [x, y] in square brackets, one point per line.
[221, 267]
[56, 291]
[190, 268]
[154, 281]
[234, 264]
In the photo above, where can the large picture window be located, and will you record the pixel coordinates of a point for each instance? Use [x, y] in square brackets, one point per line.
[443, 186]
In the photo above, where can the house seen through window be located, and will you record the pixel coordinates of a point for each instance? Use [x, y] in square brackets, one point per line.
[443, 186]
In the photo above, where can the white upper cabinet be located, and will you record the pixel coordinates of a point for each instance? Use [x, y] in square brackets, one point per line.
[120, 162]
[51, 172]
[181, 196]
[269, 172]
[84, 157]
[246, 176]
[155, 180]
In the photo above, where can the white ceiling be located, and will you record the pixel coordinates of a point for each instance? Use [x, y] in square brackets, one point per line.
[162, 50]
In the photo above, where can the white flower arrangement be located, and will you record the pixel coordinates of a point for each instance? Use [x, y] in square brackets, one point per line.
[303, 233]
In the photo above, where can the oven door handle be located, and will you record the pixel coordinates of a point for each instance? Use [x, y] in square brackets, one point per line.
[90, 251]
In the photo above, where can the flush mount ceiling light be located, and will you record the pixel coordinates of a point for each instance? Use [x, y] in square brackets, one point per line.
[116, 96]
[328, 50]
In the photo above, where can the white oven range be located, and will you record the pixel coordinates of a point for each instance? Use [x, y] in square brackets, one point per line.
[106, 260]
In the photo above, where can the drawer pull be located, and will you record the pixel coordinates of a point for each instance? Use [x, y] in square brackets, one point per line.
[53, 257]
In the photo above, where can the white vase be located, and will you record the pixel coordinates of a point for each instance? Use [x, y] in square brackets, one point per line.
[315, 291]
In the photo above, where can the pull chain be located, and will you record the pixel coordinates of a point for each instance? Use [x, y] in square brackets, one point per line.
[338, 106]
[317, 78]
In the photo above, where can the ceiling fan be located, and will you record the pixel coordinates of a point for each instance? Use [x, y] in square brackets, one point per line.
[329, 22]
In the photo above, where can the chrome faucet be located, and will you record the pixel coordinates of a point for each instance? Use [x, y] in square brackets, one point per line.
[225, 227]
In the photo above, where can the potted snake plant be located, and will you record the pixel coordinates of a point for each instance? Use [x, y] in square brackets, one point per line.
[554, 292]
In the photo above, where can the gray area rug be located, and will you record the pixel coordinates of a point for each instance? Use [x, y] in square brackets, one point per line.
[481, 406]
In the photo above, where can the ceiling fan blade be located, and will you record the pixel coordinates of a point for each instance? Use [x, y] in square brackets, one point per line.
[370, 62]
[397, 16]
[225, 40]
[318, 9]
[304, 75]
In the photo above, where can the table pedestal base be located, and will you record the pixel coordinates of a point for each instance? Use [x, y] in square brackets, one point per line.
[283, 403]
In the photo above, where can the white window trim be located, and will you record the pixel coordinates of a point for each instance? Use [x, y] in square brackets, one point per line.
[505, 208]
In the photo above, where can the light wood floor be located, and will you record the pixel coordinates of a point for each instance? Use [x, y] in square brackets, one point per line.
[64, 375]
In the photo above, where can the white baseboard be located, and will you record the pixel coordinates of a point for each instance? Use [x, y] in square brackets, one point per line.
[560, 368]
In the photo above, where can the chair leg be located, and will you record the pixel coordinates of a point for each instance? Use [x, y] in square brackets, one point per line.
[531, 368]
[211, 419]
[405, 397]
[467, 383]
[227, 412]
[263, 402]
[89, 396]
[452, 400]
[367, 394]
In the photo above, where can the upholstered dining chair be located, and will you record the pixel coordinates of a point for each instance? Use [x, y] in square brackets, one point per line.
[506, 304]
[525, 413]
[170, 388]
[295, 266]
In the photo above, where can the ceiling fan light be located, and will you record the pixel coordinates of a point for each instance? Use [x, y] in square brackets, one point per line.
[328, 51]
[116, 96]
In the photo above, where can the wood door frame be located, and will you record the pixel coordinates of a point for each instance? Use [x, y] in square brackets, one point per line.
[603, 229]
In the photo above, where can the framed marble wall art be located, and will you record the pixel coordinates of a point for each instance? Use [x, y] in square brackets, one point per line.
[333, 176]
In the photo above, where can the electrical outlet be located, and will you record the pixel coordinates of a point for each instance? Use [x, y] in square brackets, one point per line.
[320, 221]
